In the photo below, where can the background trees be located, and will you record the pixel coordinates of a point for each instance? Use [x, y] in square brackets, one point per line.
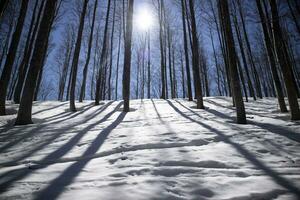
[84, 54]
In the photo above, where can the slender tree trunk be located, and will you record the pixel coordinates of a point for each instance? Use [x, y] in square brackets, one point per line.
[272, 60]
[102, 56]
[127, 57]
[27, 51]
[249, 81]
[162, 56]
[250, 55]
[76, 57]
[240, 70]
[182, 75]
[285, 63]
[149, 68]
[216, 63]
[10, 58]
[85, 69]
[195, 55]
[111, 50]
[25, 109]
[235, 82]
[118, 61]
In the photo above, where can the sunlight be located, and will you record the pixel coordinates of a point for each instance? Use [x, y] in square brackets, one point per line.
[144, 19]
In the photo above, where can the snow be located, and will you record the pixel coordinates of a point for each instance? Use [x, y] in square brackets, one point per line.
[162, 149]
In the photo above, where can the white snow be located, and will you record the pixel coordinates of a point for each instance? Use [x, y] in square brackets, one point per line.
[163, 149]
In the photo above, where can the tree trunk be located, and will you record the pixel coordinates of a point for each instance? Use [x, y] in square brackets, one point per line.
[111, 50]
[127, 57]
[235, 82]
[284, 62]
[103, 56]
[76, 57]
[118, 61]
[27, 51]
[250, 55]
[10, 58]
[85, 69]
[162, 56]
[272, 60]
[25, 109]
[149, 68]
[195, 56]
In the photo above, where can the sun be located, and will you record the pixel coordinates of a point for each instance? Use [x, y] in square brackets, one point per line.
[144, 19]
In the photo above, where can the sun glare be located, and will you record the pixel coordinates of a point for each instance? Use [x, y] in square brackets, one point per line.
[144, 20]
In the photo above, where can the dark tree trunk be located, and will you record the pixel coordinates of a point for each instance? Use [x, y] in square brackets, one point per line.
[102, 57]
[235, 82]
[250, 55]
[249, 81]
[118, 61]
[149, 69]
[195, 56]
[182, 75]
[76, 57]
[85, 68]
[111, 50]
[284, 62]
[27, 51]
[216, 63]
[127, 57]
[10, 58]
[25, 109]
[162, 55]
[272, 61]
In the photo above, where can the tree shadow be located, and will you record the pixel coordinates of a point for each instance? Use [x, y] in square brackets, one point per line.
[266, 126]
[60, 152]
[35, 130]
[58, 185]
[246, 154]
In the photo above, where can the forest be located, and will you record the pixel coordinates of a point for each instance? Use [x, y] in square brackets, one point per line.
[149, 99]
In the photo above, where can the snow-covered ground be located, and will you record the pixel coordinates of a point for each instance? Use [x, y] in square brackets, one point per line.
[163, 149]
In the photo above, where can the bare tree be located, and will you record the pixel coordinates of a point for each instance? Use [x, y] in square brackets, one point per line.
[10, 58]
[127, 57]
[25, 109]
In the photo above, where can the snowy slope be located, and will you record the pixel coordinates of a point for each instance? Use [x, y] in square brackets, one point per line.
[160, 150]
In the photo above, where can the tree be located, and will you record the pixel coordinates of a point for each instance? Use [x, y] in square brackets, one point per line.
[85, 68]
[127, 57]
[195, 56]
[10, 58]
[229, 44]
[186, 52]
[23, 67]
[271, 57]
[285, 63]
[76, 57]
[103, 60]
[25, 109]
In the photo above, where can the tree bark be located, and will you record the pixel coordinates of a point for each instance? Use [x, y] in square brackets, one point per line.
[127, 57]
[85, 69]
[76, 57]
[271, 57]
[195, 56]
[284, 62]
[10, 58]
[235, 82]
[25, 109]
[103, 56]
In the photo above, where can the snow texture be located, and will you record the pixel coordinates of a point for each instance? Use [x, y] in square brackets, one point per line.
[162, 149]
